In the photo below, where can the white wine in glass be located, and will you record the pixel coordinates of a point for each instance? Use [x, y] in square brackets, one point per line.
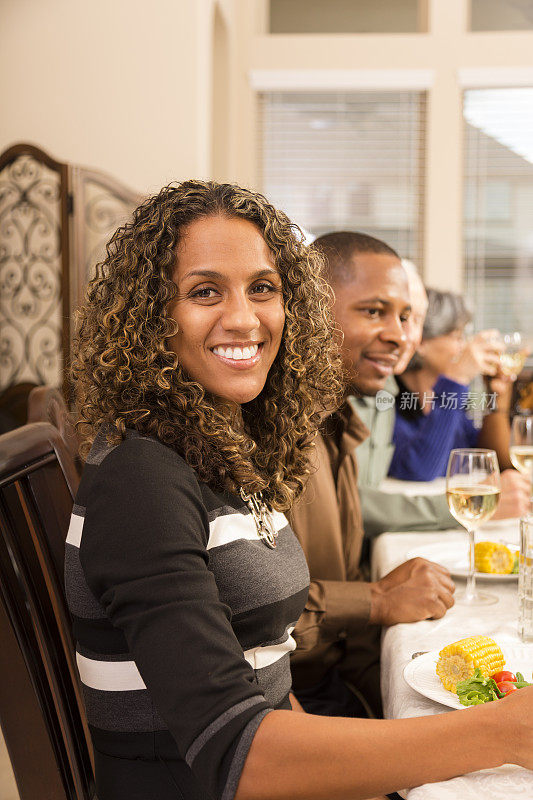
[521, 449]
[513, 358]
[473, 492]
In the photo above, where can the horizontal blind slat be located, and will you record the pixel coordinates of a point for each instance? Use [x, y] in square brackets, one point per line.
[346, 160]
[498, 207]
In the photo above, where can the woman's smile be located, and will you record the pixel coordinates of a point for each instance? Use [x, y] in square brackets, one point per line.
[239, 356]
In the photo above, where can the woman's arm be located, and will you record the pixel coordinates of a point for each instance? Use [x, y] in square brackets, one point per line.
[297, 757]
[295, 704]
[495, 432]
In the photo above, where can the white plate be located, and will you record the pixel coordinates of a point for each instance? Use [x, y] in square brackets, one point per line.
[453, 555]
[421, 676]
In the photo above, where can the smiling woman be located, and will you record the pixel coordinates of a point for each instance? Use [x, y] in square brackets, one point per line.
[199, 402]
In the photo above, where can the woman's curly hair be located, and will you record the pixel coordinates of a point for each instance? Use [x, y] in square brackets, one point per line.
[125, 377]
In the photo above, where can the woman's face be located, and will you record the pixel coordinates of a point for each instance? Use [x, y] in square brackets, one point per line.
[229, 307]
[441, 351]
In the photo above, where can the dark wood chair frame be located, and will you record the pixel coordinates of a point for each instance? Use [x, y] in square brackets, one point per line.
[41, 709]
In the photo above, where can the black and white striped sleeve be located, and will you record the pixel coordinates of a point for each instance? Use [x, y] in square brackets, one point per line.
[144, 557]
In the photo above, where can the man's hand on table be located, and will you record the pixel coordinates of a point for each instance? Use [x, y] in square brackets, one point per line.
[514, 495]
[416, 590]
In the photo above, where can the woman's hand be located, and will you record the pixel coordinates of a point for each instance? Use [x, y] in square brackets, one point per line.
[514, 495]
[480, 356]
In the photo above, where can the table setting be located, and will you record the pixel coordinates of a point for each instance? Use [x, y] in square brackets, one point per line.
[487, 604]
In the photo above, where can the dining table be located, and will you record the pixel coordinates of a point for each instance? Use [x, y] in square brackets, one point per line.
[403, 644]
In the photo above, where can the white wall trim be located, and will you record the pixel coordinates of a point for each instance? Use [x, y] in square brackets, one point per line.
[494, 77]
[265, 80]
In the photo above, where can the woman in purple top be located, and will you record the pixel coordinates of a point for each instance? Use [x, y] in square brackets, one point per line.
[432, 404]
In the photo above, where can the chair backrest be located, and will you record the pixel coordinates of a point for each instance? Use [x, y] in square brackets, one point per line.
[47, 404]
[14, 405]
[43, 719]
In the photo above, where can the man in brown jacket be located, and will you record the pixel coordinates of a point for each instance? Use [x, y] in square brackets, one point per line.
[338, 634]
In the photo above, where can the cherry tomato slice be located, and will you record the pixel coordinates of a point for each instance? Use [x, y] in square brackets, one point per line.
[506, 687]
[503, 676]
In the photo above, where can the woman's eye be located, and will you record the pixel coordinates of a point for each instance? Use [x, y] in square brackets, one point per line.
[263, 288]
[372, 312]
[205, 293]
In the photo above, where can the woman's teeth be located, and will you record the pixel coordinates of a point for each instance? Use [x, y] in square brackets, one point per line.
[236, 353]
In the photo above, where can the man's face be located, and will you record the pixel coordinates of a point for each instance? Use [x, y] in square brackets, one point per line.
[415, 326]
[372, 310]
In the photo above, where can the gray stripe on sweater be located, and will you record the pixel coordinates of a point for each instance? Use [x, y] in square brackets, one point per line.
[250, 575]
[82, 602]
[219, 723]
[240, 755]
[275, 680]
[133, 711]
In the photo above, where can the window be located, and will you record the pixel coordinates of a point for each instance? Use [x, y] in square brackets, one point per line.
[343, 16]
[347, 161]
[501, 15]
[498, 218]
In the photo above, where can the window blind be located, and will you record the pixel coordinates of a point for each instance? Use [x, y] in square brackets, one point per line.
[498, 208]
[347, 161]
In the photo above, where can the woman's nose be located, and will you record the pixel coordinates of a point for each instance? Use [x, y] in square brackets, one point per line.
[239, 315]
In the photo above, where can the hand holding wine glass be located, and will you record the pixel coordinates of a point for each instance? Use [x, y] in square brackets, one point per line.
[473, 492]
[513, 358]
[521, 449]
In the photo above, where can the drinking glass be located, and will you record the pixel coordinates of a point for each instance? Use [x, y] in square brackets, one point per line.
[473, 492]
[525, 580]
[521, 449]
[514, 356]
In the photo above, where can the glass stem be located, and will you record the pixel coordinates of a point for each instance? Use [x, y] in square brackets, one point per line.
[470, 591]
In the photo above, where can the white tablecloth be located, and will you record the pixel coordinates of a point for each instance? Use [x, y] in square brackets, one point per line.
[401, 641]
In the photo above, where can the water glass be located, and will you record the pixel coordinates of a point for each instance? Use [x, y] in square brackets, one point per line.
[525, 580]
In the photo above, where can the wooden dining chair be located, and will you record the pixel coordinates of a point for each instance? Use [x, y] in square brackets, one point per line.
[41, 710]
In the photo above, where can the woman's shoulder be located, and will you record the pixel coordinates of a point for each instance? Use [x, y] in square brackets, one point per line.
[135, 449]
[136, 461]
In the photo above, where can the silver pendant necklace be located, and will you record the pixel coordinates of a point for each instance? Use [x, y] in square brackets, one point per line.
[262, 517]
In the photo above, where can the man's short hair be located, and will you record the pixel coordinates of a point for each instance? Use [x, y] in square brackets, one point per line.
[339, 248]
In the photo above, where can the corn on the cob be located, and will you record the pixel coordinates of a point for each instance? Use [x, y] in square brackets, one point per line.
[458, 661]
[494, 558]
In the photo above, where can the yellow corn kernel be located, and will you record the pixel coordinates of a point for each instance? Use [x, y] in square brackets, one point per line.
[494, 558]
[458, 661]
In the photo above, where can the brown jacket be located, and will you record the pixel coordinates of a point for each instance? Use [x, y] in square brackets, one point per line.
[327, 521]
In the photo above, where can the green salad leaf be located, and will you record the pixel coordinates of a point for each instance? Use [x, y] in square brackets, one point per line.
[520, 681]
[477, 689]
[516, 564]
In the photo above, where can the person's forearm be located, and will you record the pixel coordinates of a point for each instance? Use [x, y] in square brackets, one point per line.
[332, 606]
[495, 434]
[323, 758]
[384, 511]
[295, 703]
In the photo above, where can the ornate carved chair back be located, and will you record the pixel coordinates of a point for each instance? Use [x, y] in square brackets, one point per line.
[43, 718]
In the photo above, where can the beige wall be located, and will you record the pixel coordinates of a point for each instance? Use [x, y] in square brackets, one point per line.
[119, 85]
[161, 90]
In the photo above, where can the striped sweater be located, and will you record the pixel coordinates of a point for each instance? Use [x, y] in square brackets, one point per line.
[182, 615]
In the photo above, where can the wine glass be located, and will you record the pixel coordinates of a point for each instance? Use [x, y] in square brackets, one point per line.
[513, 358]
[521, 449]
[473, 492]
